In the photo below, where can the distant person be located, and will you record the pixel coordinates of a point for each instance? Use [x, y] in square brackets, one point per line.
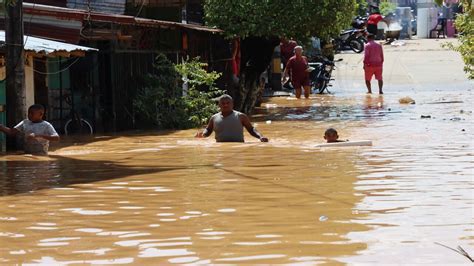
[331, 136]
[287, 50]
[228, 124]
[297, 68]
[313, 50]
[37, 132]
[373, 63]
[372, 22]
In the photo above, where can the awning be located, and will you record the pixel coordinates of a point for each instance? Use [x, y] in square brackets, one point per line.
[50, 48]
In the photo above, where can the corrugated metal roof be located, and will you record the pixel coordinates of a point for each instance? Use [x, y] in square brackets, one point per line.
[84, 16]
[48, 47]
[103, 6]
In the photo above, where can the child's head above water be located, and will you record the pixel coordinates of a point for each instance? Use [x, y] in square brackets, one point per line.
[36, 113]
[331, 135]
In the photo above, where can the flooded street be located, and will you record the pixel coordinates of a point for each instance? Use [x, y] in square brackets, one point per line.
[167, 198]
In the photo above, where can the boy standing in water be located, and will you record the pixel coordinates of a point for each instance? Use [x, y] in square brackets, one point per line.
[37, 132]
[331, 136]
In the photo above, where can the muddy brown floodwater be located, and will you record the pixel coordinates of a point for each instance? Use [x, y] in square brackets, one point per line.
[164, 197]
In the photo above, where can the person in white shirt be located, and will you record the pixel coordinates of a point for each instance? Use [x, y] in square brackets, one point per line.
[37, 132]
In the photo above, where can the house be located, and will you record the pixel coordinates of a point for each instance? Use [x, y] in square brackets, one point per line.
[43, 76]
[127, 47]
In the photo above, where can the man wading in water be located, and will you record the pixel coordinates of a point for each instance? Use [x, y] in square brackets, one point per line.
[229, 124]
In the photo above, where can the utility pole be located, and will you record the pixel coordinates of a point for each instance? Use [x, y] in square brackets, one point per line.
[15, 65]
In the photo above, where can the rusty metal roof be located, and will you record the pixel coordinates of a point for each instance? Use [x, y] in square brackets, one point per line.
[103, 6]
[85, 16]
[50, 48]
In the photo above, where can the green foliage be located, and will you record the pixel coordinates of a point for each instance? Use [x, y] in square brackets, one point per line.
[161, 102]
[199, 101]
[361, 7]
[269, 18]
[387, 7]
[465, 25]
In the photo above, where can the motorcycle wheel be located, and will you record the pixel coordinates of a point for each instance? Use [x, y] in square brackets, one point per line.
[322, 87]
[357, 46]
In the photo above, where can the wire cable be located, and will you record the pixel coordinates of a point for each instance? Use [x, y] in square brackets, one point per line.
[59, 71]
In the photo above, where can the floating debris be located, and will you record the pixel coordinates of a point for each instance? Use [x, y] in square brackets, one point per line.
[406, 100]
[398, 43]
[446, 102]
[323, 218]
[459, 250]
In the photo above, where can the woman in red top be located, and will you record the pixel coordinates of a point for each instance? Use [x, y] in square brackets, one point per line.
[372, 22]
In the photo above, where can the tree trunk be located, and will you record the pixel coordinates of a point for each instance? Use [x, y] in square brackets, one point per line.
[256, 54]
[15, 68]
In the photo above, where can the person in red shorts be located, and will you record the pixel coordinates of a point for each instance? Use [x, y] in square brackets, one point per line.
[373, 63]
[297, 69]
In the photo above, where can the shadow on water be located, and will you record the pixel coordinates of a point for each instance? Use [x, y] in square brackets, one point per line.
[74, 140]
[18, 177]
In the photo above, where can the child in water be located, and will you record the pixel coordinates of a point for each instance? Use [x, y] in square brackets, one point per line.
[331, 136]
[37, 132]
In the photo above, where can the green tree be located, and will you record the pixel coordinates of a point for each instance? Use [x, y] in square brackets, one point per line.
[465, 26]
[387, 7]
[361, 7]
[259, 24]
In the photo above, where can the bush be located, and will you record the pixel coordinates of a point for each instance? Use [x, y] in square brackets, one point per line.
[199, 100]
[161, 103]
[465, 25]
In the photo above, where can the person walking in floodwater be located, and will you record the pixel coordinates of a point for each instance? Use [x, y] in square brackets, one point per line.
[373, 63]
[228, 124]
[297, 68]
[37, 132]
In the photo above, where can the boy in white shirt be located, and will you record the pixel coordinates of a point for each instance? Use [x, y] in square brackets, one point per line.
[37, 132]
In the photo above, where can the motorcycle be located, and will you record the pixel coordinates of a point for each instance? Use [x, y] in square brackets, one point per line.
[353, 38]
[359, 22]
[320, 74]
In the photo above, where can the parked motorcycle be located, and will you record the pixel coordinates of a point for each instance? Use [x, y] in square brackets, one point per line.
[320, 74]
[353, 38]
[359, 22]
